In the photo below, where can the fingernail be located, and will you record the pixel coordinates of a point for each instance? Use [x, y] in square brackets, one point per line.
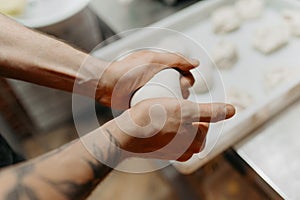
[230, 111]
[194, 62]
[203, 145]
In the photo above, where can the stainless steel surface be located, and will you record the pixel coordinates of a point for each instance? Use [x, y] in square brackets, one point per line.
[273, 152]
[121, 15]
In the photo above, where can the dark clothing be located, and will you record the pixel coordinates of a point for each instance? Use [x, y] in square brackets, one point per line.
[7, 154]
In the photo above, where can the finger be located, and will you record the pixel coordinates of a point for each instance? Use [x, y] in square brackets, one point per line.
[200, 139]
[188, 79]
[175, 60]
[186, 156]
[203, 128]
[213, 112]
[160, 61]
[181, 64]
[185, 93]
[203, 145]
[185, 85]
[196, 145]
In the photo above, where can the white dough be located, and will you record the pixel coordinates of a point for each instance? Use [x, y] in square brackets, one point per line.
[241, 99]
[166, 83]
[175, 44]
[225, 54]
[225, 19]
[204, 79]
[250, 9]
[270, 38]
[278, 76]
[12, 7]
[292, 17]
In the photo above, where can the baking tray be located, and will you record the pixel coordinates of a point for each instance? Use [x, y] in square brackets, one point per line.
[247, 74]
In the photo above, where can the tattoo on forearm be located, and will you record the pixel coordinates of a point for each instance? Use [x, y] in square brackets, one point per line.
[21, 190]
[113, 150]
[56, 151]
[73, 190]
[69, 189]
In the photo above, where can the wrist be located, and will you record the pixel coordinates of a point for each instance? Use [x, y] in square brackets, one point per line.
[103, 147]
[105, 80]
[90, 81]
[121, 140]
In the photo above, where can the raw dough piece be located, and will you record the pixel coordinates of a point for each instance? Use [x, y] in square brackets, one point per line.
[292, 17]
[275, 77]
[239, 98]
[271, 38]
[204, 79]
[12, 7]
[164, 84]
[175, 44]
[250, 9]
[225, 54]
[225, 19]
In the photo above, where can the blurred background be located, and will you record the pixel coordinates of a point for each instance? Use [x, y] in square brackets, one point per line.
[36, 119]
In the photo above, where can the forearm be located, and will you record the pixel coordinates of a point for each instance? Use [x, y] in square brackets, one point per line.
[33, 57]
[68, 173]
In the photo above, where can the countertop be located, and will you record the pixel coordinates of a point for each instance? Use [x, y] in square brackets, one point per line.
[273, 152]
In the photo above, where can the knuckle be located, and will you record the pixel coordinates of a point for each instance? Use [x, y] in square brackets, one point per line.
[142, 52]
[177, 60]
[145, 53]
[218, 113]
[176, 109]
[186, 109]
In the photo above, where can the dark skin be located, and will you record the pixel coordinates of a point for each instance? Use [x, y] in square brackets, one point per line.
[74, 170]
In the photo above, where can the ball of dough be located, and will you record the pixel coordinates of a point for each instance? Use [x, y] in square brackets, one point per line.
[241, 99]
[174, 44]
[278, 76]
[204, 79]
[225, 19]
[270, 38]
[12, 7]
[292, 17]
[225, 54]
[250, 9]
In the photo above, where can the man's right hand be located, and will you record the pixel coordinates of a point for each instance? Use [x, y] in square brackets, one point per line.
[166, 128]
[122, 78]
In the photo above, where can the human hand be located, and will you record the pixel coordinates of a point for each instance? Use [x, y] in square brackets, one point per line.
[122, 78]
[166, 128]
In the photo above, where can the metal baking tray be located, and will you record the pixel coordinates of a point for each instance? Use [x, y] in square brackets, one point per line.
[247, 74]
